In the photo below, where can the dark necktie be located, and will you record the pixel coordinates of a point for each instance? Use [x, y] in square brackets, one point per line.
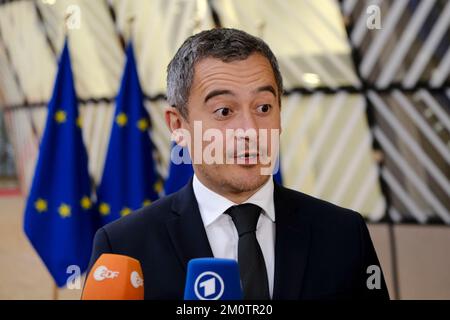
[250, 258]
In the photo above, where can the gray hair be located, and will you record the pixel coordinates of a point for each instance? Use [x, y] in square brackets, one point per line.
[225, 44]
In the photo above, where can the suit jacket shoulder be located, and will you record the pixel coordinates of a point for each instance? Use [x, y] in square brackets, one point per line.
[128, 234]
[324, 216]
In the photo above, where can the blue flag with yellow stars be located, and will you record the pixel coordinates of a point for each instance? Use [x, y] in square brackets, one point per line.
[278, 176]
[59, 218]
[180, 170]
[130, 179]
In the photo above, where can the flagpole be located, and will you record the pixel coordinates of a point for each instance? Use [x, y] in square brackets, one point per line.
[130, 22]
[55, 292]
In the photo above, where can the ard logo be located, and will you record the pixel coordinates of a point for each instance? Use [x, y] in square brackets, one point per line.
[209, 286]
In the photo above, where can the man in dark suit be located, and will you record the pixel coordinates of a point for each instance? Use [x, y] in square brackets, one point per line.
[288, 245]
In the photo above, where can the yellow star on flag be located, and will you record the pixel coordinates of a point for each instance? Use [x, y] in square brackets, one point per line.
[104, 209]
[125, 211]
[142, 124]
[86, 203]
[40, 205]
[64, 210]
[121, 119]
[146, 202]
[60, 116]
[158, 186]
[79, 121]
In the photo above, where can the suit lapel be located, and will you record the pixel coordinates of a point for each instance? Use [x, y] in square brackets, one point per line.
[186, 229]
[293, 230]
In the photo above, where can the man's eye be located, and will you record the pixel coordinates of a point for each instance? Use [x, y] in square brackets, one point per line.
[264, 108]
[223, 112]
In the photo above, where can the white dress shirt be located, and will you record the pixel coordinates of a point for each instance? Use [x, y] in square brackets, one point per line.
[222, 234]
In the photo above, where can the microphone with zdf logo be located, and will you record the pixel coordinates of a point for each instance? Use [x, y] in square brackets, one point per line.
[114, 277]
[213, 279]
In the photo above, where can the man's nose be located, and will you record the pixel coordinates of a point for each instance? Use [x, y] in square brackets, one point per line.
[247, 120]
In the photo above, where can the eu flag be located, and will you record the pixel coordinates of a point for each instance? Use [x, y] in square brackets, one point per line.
[180, 170]
[129, 180]
[59, 218]
[277, 176]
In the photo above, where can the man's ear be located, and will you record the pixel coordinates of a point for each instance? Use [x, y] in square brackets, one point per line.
[174, 122]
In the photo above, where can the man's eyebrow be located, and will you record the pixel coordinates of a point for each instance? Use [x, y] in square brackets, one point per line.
[269, 88]
[219, 92]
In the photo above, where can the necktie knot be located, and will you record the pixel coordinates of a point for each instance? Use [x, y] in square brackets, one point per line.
[245, 217]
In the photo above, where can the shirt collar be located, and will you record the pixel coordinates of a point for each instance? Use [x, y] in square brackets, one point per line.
[212, 205]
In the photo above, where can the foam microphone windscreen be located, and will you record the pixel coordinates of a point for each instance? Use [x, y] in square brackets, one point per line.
[213, 279]
[114, 277]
